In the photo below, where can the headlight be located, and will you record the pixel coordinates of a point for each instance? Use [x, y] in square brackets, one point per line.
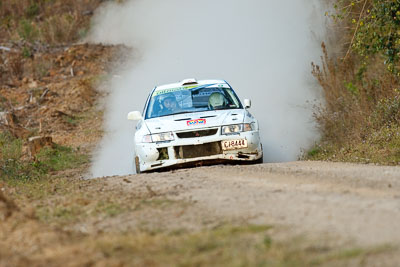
[232, 129]
[147, 139]
[162, 137]
[247, 127]
[237, 128]
[155, 138]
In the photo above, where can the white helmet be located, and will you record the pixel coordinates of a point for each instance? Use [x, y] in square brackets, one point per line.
[216, 100]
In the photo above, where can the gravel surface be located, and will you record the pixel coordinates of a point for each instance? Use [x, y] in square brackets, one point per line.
[345, 203]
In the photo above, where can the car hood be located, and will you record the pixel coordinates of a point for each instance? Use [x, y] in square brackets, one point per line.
[198, 120]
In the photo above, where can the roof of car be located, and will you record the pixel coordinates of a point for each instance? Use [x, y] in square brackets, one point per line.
[190, 82]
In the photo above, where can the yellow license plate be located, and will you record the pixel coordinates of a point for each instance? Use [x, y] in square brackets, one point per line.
[234, 144]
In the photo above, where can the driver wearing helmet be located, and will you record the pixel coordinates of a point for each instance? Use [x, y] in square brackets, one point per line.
[216, 101]
[170, 105]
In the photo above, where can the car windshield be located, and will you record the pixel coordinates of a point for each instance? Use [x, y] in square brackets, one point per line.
[171, 101]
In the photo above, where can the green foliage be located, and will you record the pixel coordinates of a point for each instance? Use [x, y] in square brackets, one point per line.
[26, 52]
[14, 168]
[11, 165]
[313, 152]
[60, 158]
[27, 31]
[351, 88]
[375, 26]
[379, 32]
[32, 10]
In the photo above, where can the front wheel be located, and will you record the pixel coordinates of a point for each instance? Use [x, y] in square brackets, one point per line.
[137, 165]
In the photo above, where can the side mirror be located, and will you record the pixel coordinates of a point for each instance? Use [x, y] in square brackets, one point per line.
[247, 103]
[134, 116]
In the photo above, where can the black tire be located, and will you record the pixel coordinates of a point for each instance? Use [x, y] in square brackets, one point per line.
[137, 165]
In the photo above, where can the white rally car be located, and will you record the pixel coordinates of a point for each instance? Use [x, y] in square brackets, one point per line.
[193, 122]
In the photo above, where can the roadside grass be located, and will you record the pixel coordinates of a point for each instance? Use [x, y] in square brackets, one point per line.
[60, 203]
[12, 166]
[63, 199]
[379, 147]
[360, 118]
[78, 206]
[111, 209]
[71, 120]
[227, 245]
[53, 22]
[358, 255]
[154, 203]
[60, 158]
[16, 169]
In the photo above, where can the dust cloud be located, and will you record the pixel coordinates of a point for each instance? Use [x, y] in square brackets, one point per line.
[263, 48]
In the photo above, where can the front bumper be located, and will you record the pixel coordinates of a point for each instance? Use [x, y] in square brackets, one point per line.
[153, 156]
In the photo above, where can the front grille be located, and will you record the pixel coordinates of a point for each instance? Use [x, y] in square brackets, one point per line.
[199, 133]
[163, 153]
[197, 151]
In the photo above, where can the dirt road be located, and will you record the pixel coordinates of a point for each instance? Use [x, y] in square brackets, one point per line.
[286, 214]
[342, 203]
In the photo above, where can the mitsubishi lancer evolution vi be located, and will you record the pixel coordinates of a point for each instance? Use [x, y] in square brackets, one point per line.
[195, 122]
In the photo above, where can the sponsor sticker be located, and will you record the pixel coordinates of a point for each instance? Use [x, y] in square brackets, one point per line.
[189, 87]
[172, 90]
[196, 122]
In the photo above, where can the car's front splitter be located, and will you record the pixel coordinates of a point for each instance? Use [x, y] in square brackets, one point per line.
[209, 160]
[206, 150]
